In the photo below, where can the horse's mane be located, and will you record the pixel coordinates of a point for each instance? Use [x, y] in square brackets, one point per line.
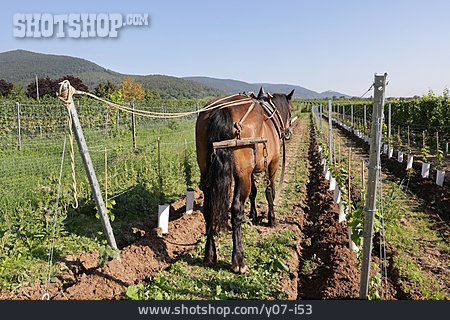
[281, 102]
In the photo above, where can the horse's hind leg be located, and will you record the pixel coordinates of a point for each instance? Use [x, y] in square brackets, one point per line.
[253, 213]
[210, 247]
[270, 193]
[242, 186]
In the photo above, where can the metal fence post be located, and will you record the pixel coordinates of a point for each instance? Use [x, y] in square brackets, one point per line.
[351, 114]
[389, 126]
[95, 187]
[321, 110]
[133, 127]
[330, 133]
[19, 137]
[373, 180]
[365, 119]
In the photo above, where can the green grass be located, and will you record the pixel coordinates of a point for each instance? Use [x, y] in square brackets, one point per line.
[266, 255]
[188, 279]
[408, 230]
[28, 184]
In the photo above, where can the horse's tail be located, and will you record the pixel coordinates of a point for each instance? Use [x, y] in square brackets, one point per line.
[219, 168]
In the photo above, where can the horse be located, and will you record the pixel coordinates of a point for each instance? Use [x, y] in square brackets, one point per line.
[237, 119]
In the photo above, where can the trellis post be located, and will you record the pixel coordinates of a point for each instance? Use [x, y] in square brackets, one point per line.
[321, 110]
[389, 127]
[93, 182]
[373, 180]
[330, 133]
[133, 127]
[19, 135]
[351, 114]
[365, 119]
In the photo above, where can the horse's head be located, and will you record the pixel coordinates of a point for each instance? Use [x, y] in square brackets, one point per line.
[283, 102]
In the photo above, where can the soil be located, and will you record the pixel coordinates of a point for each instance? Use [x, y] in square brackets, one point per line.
[82, 278]
[436, 198]
[313, 218]
[331, 272]
[434, 201]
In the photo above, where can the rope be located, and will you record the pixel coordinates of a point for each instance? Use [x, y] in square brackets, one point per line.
[72, 161]
[66, 92]
[46, 295]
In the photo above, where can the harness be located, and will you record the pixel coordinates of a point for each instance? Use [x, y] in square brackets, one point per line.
[272, 113]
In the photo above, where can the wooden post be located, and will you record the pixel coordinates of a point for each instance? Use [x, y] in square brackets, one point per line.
[351, 115]
[106, 121]
[37, 89]
[372, 186]
[19, 136]
[408, 141]
[320, 117]
[106, 176]
[330, 134]
[437, 142]
[85, 156]
[363, 179]
[133, 127]
[159, 169]
[349, 178]
[365, 119]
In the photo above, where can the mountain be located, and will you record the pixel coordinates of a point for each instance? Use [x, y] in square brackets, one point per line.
[22, 66]
[233, 86]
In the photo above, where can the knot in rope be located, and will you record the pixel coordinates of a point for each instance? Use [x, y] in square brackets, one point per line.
[65, 94]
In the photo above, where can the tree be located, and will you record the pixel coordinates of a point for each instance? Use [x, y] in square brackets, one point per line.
[131, 90]
[105, 90]
[47, 86]
[5, 88]
[75, 82]
[152, 95]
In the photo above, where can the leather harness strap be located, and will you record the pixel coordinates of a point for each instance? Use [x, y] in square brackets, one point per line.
[272, 113]
[238, 125]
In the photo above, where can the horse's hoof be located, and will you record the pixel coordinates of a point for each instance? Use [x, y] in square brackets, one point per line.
[272, 223]
[239, 268]
[209, 263]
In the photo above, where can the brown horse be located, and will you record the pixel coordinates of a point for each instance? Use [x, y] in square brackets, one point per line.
[221, 167]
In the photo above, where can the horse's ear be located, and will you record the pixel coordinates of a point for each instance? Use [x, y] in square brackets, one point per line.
[261, 93]
[289, 96]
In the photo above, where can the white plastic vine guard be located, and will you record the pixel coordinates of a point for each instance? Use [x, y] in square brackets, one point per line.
[391, 152]
[425, 170]
[337, 195]
[189, 201]
[351, 244]
[440, 174]
[163, 218]
[400, 156]
[342, 213]
[332, 184]
[409, 162]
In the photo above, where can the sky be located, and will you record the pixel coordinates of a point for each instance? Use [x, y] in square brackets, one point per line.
[321, 45]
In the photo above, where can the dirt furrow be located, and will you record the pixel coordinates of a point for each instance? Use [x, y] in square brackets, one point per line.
[328, 267]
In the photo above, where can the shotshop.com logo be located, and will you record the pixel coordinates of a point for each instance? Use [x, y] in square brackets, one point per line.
[74, 25]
